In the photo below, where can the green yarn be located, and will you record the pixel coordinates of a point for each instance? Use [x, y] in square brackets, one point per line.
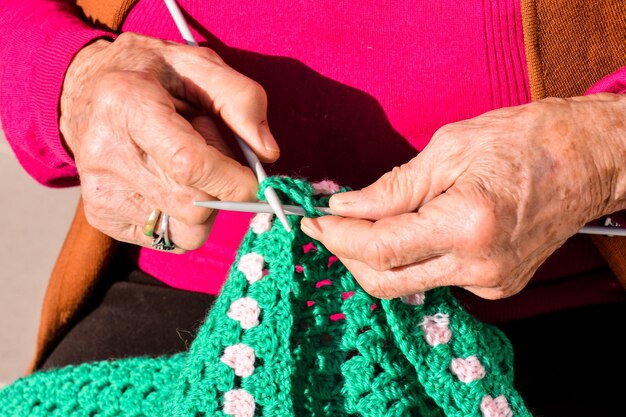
[322, 347]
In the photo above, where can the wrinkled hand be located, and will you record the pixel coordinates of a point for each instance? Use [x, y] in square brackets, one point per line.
[143, 119]
[486, 202]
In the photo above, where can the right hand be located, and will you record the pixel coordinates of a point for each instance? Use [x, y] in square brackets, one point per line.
[140, 116]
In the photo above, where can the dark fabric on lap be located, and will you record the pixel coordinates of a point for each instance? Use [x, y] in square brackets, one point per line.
[569, 363]
[132, 314]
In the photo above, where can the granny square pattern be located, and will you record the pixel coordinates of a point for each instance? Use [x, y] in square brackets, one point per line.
[293, 334]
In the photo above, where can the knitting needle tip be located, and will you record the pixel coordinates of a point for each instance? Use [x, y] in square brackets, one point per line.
[273, 200]
[270, 193]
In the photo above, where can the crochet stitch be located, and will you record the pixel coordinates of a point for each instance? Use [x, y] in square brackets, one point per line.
[293, 334]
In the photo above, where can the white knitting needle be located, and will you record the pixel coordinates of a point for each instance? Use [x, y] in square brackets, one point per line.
[180, 21]
[253, 160]
[261, 207]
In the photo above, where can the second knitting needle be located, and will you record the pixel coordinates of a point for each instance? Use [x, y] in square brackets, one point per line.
[256, 207]
[253, 160]
[260, 207]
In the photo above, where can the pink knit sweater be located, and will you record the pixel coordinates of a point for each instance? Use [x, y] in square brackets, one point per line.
[354, 89]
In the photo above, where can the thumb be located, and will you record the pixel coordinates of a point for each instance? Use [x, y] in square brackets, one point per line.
[402, 190]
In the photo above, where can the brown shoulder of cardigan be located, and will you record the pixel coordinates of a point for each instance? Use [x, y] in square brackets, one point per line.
[107, 13]
[570, 44]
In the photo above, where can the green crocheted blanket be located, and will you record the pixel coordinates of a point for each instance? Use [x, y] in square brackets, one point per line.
[293, 334]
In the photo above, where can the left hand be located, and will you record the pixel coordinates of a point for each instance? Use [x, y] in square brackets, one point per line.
[141, 116]
[486, 202]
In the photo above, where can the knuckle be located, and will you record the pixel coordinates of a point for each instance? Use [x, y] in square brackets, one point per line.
[493, 293]
[251, 91]
[549, 101]
[123, 88]
[112, 88]
[506, 292]
[186, 167]
[186, 212]
[128, 38]
[396, 182]
[481, 226]
[538, 110]
[237, 192]
[198, 57]
[443, 132]
[91, 152]
[491, 274]
[257, 90]
[231, 182]
[209, 55]
[374, 288]
[127, 41]
[379, 255]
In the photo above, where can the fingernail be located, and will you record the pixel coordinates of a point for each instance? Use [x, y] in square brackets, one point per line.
[306, 228]
[268, 140]
[345, 199]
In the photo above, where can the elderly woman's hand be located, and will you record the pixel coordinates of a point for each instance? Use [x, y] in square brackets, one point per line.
[144, 120]
[486, 202]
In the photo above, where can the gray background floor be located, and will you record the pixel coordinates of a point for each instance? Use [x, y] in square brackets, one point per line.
[33, 223]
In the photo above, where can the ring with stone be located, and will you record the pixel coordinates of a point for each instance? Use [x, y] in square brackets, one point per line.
[153, 218]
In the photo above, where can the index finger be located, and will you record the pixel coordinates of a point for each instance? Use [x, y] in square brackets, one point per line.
[383, 244]
[181, 152]
[203, 77]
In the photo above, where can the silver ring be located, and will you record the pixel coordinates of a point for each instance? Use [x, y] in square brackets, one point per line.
[162, 241]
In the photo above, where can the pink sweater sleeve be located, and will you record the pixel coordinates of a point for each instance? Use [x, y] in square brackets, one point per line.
[612, 83]
[38, 40]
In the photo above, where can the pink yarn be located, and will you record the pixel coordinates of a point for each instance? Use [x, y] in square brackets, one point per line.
[347, 294]
[241, 358]
[251, 264]
[323, 283]
[436, 330]
[299, 269]
[325, 187]
[246, 311]
[239, 403]
[261, 223]
[331, 260]
[309, 247]
[414, 300]
[337, 316]
[495, 407]
[468, 369]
